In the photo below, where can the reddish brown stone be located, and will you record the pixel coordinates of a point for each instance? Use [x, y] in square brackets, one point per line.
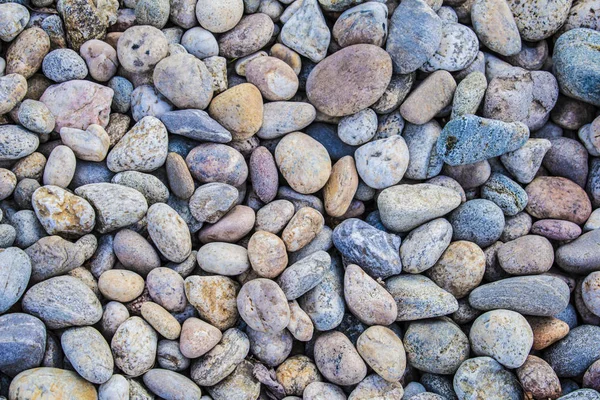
[558, 198]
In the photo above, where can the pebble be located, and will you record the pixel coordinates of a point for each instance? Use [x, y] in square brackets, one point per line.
[304, 226]
[382, 163]
[275, 79]
[63, 65]
[219, 17]
[147, 101]
[195, 124]
[140, 48]
[223, 259]
[153, 190]
[198, 338]
[383, 351]
[169, 232]
[117, 387]
[270, 348]
[263, 306]
[16, 17]
[415, 34]
[424, 161]
[557, 198]
[417, 297]
[456, 146]
[212, 201]
[538, 378]
[368, 67]
[240, 383]
[36, 116]
[251, 34]
[317, 390]
[530, 295]
[437, 346]
[274, 216]
[296, 373]
[567, 158]
[95, 364]
[213, 162]
[541, 23]
[505, 193]
[61, 212]
[239, 110]
[546, 331]
[281, 117]
[160, 319]
[480, 375]
[525, 162]
[572, 356]
[359, 128]
[375, 386]
[395, 93]
[527, 255]
[52, 382]
[460, 268]
[13, 88]
[89, 145]
[405, 207]
[365, 23]
[101, 59]
[23, 343]
[171, 385]
[153, 13]
[487, 16]
[16, 142]
[134, 346]
[304, 274]
[480, 221]
[215, 299]
[337, 359]
[26, 63]
[458, 49]
[231, 228]
[120, 285]
[306, 31]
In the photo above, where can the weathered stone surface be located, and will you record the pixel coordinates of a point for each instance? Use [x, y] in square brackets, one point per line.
[485, 377]
[557, 198]
[23, 342]
[215, 299]
[88, 353]
[382, 163]
[61, 212]
[496, 27]
[424, 245]
[251, 34]
[53, 382]
[134, 346]
[15, 270]
[212, 162]
[338, 360]
[571, 356]
[16, 142]
[306, 31]
[195, 124]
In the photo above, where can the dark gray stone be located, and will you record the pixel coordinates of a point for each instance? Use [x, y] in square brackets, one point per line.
[572, 355]
[22, 343]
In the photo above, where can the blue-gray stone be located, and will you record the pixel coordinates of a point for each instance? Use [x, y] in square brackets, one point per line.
[479, 221]
[15, 271]
[538, 295]
[568, 386]
[351, 327]
[88, 172]
[195, 124]
[181, 145]
[122, 98]
[593, 182]
[439, 384]
[22, 343]
[63, 65]
[568, 315]
[505, 193]
[582, 394]
[414, 36]
[327, 135]
[300, 200]
[572, 355]
[374, 251]
[468, 139]
[577, 64]
[374, 219]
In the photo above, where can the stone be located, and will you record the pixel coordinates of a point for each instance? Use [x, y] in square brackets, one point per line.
[304, 275]
[429, 98]
[574, 53]
[215, 299]
[198, 338]
[469, 94]
[573, 355]
[116, 206]
[483, 376]
[89, 145]
[23, 343]
[270, 348]
[13, 88]
[16, 142]
[415, 34]
[296, 373]
[281, 117]
[527, 255]
[169, 232]
[223, 259]
[53, 382]
[101, 59]
[487, 16]
[525, 162]
[530, 295]
[458, 49]
[151, 187]
[263, 306]
[95, 363]
[231, 228]
[537, 21]
[423, 246]
[134, 346]
[306, 31]
[303, 162]
[239, 110]
[505, 193]
[318, 390]
[263, 174]
[61, 212]
[548, 199]
[359, 128]
[300, 325]
[147, 101]
[437, 346]
[144, 148]
[120, 285]
[275, 79]
[302, 228]
[134, 252]
[366, 74]
[383, 351]
[251, 34]
[14, 17]
[219, 17]
[153, 13]
[62, 302]
[170, 384]
[578, 256]
[63, 65]
[15, 271]
[36, 116]
[78, 104]
[556, 229]
[212, 201]
[140, 48]
[26, 63]
[496, 138]
[166, 288]
[196, 125]
[160, 319]
[337, 359]
[382, 163]
[241, 383]
[546, 331]
[423, 161]
[417, 297]
[213, 162]
[53, 255]
[365, 23]
[460, 268]
[405, 207]
[567, 158]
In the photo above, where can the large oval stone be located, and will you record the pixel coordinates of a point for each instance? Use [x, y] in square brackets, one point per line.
[51, 383]
[16, 142]
[15, 271]
[61, 212]
[349, 80]
[22, 343]
[557, 198]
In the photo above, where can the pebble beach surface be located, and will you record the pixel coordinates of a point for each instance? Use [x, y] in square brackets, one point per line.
[299, 200]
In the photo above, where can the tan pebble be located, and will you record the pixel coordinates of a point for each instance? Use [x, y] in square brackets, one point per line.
[338, 360]
[267, 254]
[27, 51]
[303, 227]
[161, 320]
[296, 373]
[275, 79]
[239, 109]
[8, 182]
[120, 285]
[215, 299]
[546, 331]
[223, 259]
[300, 326]
[274, 216]
[428, 99]
[341, 187]
[287, 55]
[89, 145]
[538, 379]
[460, 269]
[236, 224]
[263, 306]
[382, 349]
[197, 338]
[101, 59]
[33, 166]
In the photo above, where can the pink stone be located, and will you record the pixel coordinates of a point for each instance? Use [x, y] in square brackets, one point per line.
[78, 104]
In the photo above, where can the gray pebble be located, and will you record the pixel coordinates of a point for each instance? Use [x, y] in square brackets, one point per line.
[63, 65]
[22, 343]
[479, 221]
[571, 356]
[304, 274]
[171, 385]
[88, 353]
[485, 375]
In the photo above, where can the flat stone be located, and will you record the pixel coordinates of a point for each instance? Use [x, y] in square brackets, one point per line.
[251, 34]
[579, 256]
[151, 187]
[557, 198]
[304, 274]
[195, 124]
[197, 337]
[483, 376]
[546, 331]
[15, 271]
[306, 31]
[170, 384]
[423, 162]
[275, 79]
[95, 363]
[469, 94]
[424, 245]
[263, 306]
[527, 255]
[281, 117]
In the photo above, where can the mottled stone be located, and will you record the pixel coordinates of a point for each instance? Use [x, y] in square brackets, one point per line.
[13, 88]
[63, 65]
[527, 255]
[101, 59]
[383, 351]
[495, 26]
[460, 269]
[241, 384]
[275, 79]
[14, 17]
[337, 359]
[571, 356]
[219, 17]
[486, 378]
[95, 363]
[52, 382]
[539, 20]
[134, 346]
[195, 124]
[61, 212]
[150, 186]
[557, 198]
[282, 117]
[525, 162]
[306, 31]
[215, 299]
[251, 34]
[23, 343]
[171, 385]
[18, 61]
[382, 163]
[16, 142]
[36, 116]
[296, 373]
[211, 162]
[140, 48]
[147, 101]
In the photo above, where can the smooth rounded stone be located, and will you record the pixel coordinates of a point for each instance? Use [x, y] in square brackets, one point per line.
[589, 292]
[469, 176]
[304, 274]
[567, 158]
[457, 50]
[586, 315]
[62, 302]
[377, 252]
[171, 385]
[296, 373]
[305, 30]
[8, 183]
[27, 51]
[546, 331]
[267, 254]
[240, 384]
[417, 297]
[365, 23]
[89, 145]
[480, 221]
[421, 140]
[337, 359]
[151, 187]
[275, 79]
[573, 52]
[525, 162]
[169, 232]
[424, 245]
[460, 269]
[505, 193]
[587, 134]
[304, 226]
[485, 377]
[144, 148]
[239, 110]
[114, 315]
[405, 207]
[35, 116]
[281, 117]
[200, 43]
[539, 20]
[215, 299]
[383, 351]
[16, 142]
[322, 390]
[53, 383]
[231, 228]
[195, 124]
[120, 285]
[197, 338]
[263, 306]
[504, 335]
[14, 18]
[515, 227]
[147, 101]
[63, 65]
[415, 33]
[366, 74]
[382, 163]
[95, 364]
[374, 386]
[140, 48]
[170, 357]
[13, 88]
[579, 256]
[153, 13]
[556, 229]
[456, 146]
[538, 378]
[590, 378]
[15, 271]
[8, 234]
[160, 319]
[184, 80]
[303, 162]
[101, 60]
[570, 113]
[222, 360]
[223, 259]
[135, 252]
[31, 167]
[582, 394]
[183, 13]
[117, 387]
[166, 288]
[532, 55]
[436, 346]
[300, 325]
[572, 356]
[394, 95]
[134, 346]
[211, 162]
[548, 199]
[341, 187]
[116, 206]
[251, 34]
[28, 228]
[219, 17]
[530, 295]
[270, 348]
[23, 343]
[53, 255]
[263, 174]
[274, 216]
[212, 201]
[487, 16]
[359, 128]
[527, 255]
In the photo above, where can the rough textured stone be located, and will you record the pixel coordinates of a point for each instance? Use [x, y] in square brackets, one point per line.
[485, 377]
